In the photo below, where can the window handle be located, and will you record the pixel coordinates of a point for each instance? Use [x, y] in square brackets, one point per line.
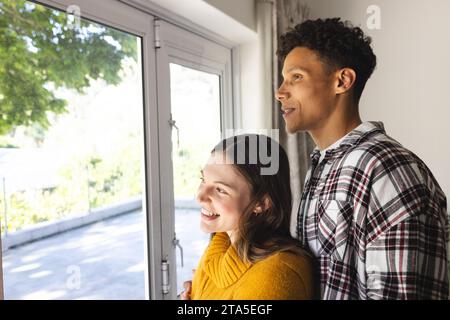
[172, 124]
[176, 243]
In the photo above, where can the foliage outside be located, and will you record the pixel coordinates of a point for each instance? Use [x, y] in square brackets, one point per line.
[40, 50]
[41, 56]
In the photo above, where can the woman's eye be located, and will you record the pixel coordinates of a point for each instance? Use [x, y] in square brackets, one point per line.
[221, 191]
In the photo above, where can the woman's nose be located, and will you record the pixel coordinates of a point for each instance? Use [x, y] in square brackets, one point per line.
[201, 195]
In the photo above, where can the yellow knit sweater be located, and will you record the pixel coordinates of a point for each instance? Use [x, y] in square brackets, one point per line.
[222, 275]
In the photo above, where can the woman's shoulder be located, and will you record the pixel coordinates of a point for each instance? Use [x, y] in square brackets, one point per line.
[285, 266]
[283, 275]
[300, 264]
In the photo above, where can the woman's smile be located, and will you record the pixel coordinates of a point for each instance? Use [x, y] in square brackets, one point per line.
[209, 215]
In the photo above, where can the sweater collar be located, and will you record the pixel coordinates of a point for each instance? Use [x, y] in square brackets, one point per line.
[222, 263]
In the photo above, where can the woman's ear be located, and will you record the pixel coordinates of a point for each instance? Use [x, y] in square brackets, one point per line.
[264, 205]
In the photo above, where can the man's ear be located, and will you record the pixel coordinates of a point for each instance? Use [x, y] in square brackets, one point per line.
[263, 206]
[346, 78]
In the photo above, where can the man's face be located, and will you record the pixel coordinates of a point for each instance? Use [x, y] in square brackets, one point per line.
[306, 94]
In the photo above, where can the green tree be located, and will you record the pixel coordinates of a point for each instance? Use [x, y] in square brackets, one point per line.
[40, 51]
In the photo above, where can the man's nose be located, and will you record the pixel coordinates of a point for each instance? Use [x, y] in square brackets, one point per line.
[281, 94]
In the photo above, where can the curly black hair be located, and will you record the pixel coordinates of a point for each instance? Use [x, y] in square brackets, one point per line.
[337, 43]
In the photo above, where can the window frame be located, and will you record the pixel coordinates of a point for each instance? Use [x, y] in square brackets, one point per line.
[190, 50]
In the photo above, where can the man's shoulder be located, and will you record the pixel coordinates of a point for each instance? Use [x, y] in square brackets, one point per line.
[398, 181]
[382, 157]
[381, 149]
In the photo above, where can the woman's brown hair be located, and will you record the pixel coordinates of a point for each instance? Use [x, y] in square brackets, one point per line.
[265, 233]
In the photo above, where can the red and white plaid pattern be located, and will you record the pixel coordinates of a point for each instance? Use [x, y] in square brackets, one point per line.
[378, 218]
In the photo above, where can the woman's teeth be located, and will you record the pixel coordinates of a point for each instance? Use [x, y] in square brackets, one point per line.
[209, 213]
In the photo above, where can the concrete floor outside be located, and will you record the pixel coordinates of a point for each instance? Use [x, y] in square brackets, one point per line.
[104, 260]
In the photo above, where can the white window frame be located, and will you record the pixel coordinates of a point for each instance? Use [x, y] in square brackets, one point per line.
[176, 45]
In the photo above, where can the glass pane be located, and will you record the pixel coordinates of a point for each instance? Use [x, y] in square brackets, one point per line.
[71, 157]
[195, 99]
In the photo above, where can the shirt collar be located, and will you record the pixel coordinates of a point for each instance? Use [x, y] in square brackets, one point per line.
[353, 138]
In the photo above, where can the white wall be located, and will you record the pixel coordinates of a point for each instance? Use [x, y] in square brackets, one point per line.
[242, 11]
[409, 88]
[224, 18]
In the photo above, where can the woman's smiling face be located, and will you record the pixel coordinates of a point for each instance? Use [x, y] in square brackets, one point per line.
[223, 194]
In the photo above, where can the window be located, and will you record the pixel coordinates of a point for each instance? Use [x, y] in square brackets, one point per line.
[99, 141]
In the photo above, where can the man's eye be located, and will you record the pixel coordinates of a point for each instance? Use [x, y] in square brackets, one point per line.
[296, 77]
[202, 180]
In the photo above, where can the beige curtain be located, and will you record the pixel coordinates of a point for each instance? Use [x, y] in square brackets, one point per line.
[288, 13]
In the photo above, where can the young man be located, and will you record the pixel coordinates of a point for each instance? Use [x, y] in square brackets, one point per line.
[371, 211]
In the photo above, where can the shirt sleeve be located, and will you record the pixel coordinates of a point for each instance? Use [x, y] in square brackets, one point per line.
[406, 249]
[408, 261]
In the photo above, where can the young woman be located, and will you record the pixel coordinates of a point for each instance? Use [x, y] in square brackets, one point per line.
[247, 211]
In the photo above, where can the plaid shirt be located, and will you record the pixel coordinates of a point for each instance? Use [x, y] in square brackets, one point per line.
[378, 218]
